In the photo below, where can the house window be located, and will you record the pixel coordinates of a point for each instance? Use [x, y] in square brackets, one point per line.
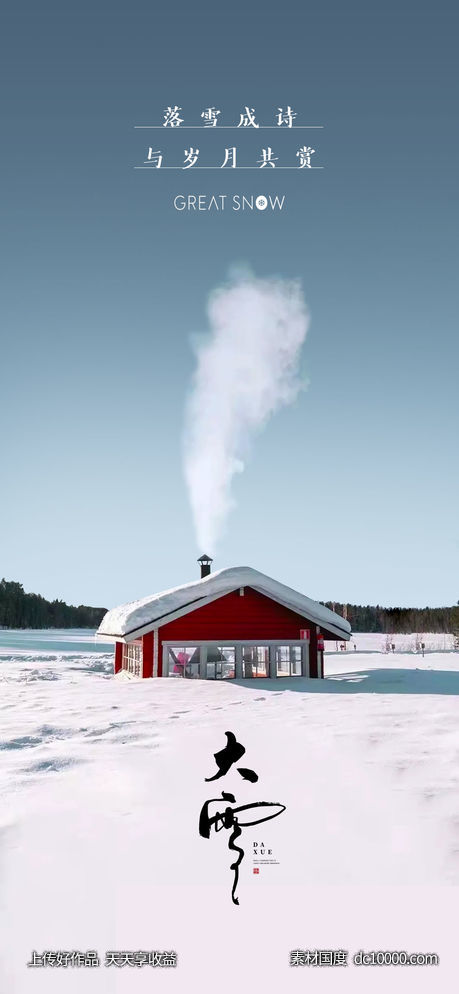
[214, 661]
[184, 661]
[132, 658]
[221, 662]
[255, 660]
[288, 660]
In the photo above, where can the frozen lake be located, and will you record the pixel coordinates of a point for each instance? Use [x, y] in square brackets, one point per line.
[31, 640]
[76, 640]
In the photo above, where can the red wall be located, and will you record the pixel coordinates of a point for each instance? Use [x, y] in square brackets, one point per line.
[253, 616]
[118, 656]
[148, 654]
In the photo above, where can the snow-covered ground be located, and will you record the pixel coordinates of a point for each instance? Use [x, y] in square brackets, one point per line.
[103, 781]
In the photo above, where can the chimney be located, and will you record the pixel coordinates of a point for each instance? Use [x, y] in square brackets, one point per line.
[205, 562]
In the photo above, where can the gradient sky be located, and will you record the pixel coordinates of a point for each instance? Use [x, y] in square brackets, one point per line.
[350, 494]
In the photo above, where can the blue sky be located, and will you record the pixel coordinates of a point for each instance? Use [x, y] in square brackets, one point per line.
[350, 494]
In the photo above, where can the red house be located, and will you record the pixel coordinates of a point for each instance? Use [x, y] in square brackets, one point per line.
[234, 623]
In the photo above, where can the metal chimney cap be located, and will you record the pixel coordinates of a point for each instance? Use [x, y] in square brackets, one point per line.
[204, 562]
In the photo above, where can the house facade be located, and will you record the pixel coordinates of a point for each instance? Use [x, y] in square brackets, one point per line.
[236, 623]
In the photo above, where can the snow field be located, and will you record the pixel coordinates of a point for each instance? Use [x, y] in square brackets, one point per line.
[103, 781]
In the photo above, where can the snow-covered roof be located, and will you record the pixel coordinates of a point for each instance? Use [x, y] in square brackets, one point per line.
[153, 611]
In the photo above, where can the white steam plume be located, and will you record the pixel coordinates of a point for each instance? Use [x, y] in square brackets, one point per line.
[247, 368]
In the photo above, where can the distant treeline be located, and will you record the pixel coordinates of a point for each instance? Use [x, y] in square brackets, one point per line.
[21, 610]
[399, 620]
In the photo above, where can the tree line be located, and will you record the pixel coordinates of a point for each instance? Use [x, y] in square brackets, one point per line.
[21, 610]
[399, 620]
